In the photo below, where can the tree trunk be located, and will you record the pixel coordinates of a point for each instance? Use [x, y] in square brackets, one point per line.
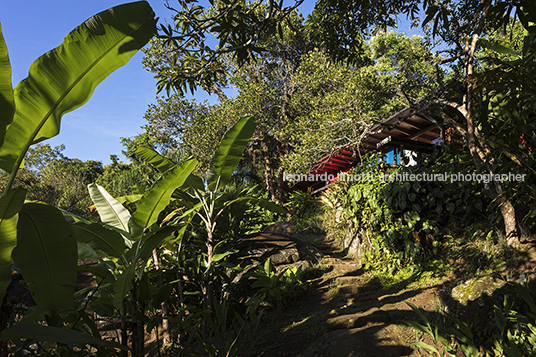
[269, 175]
[509, 217]
[477, 144]
[280, 186]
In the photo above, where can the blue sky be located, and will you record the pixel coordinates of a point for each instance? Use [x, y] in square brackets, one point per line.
[116, 109]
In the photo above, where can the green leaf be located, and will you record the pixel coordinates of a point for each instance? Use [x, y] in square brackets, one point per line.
[226, 158]
[469, 350]
[217, 257]
[10, 205]
[98, 237]
[123, 285]
[34, 331]
[155, 240]
[64, 78]
[7, 102]
[155, 159]
[129, 198]
[111, 212]
[425, 346]
[46, 254]
[102, 270]
[430, 13]
[159, 196]
[268, 267]
[525, 294]
[85, 252]
[162, 294]
[269, 205]
[195, 182]
[73, 216]
[498, 47]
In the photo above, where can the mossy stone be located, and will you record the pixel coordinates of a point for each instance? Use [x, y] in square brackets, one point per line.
[473, 289]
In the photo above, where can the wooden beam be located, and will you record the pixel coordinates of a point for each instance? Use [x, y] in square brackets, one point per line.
[402, 131]
[423, 131]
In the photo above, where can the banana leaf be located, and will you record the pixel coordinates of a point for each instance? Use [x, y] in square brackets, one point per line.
[155, 159]
[98, 237]
[47, 255]
[64, 78]
[7, 102]
[226, 158]
[10, 206]
[123, 285]
[111, 212]
[159, 196]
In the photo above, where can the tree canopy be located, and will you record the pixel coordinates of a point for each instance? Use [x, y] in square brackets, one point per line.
[342, 58]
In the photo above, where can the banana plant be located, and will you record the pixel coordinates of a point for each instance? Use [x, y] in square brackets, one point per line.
[137, 235]
[129, 239]
[205, 198]
[36, 235]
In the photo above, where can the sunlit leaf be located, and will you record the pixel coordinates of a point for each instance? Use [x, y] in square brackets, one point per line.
[226, 158]
[64, 78]
[7, 102]
[159, 196]
[10, 206]
[111, 212]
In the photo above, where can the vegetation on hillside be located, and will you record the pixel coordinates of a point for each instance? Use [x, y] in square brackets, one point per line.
[158, 238]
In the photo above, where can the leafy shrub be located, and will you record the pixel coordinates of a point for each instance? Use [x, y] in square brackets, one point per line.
[303, 210]
[273, 287]
[404, 219]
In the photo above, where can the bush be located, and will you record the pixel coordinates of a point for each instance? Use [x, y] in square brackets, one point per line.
[403, 219]
[303, 210]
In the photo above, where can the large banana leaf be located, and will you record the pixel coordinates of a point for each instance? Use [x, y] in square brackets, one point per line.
[10, 206]
[159, 196]
[7, 103]
[64, 78]
[195, 182]
[154, 241]
[163, 164]
[111, 212]
[100, 238]
[226, 158]
[155, 159]
[46, 254]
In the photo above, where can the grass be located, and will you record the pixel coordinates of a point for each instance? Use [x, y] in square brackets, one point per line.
[334, 289]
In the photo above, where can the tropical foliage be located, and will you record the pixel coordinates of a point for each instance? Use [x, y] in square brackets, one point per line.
[31, 113]
[158, 252]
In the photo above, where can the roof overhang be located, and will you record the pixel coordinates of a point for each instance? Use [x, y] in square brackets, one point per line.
[404, 129]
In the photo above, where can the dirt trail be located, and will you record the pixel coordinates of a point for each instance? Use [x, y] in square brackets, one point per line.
[344, 313]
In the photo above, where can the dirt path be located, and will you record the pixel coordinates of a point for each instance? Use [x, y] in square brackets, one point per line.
[343, 313]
